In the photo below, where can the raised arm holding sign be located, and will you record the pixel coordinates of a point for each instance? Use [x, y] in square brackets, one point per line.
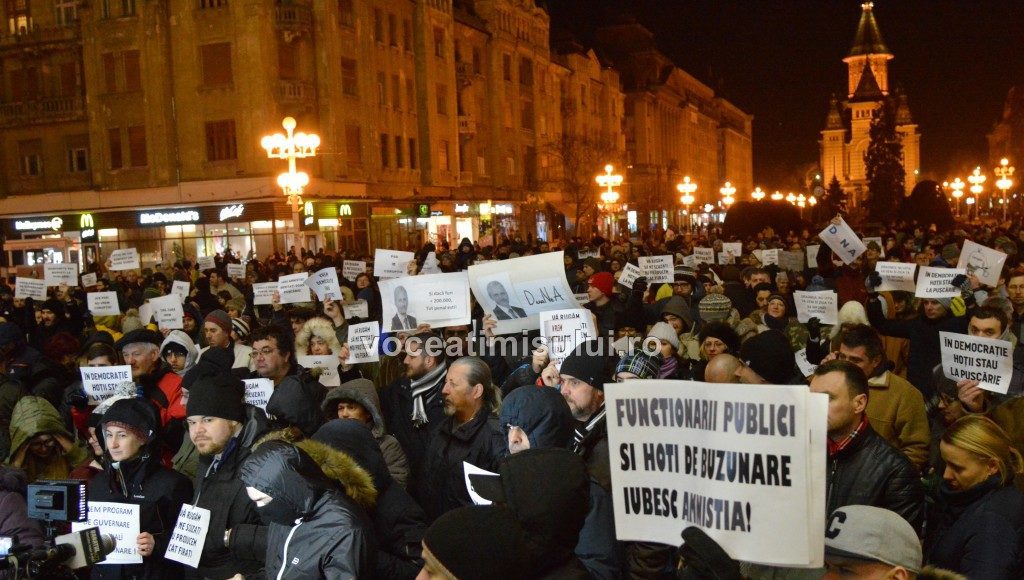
[841, 238]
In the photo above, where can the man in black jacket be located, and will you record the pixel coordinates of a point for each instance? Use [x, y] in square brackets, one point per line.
[470, 433]
[297, 394]
[863, 469]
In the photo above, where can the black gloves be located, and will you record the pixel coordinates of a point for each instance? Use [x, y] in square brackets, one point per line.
[959, 280]
[640, 285]
[702, 558]
[873, 281]
[814, 328]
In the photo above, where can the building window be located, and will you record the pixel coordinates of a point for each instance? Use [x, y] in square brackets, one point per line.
[413, 158]
[69, 81]
[526, 115]
[346, 14]
[30, 153]
[216, 63]
[396, 93]
[137, 156]
[349, 77]
[526, 72]
[407, 35]
[442, 156]
[385, 157]
[104, 9]
[410, 95]
[204, 4]
[353, 145]
[382, 90]
[78, 160]
[114, 142]
[510, 166]
[132, 71]
[439, 42]
[67, 12]
[109, 71]
[286, 60]
[481, 165]
[127, 7]
[378, 25]
[220, 141]
[392, 30]
[477, 61]
[506, 67]
[442, 99]
[399, 152]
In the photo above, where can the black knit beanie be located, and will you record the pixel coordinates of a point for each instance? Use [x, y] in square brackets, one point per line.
[217, 396]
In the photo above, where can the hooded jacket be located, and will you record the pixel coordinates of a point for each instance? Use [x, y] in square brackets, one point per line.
[13, 512]
[320, 328]
[179, 337]
[398, 521]
[34, 416]
[362, 391]
[331, 536]
[297, 401]
[27, 365]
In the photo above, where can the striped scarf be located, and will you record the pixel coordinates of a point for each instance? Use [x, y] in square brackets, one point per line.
[424, 390]
[593, 428]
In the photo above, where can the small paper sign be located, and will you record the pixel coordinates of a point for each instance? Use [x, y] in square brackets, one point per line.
[470, 469]
[734, 248]
[180, 288]
[206, 263]
[120, 520]
[57, 274]
[263, 293]
[704, 255]
[236, 271]
[792, 261]
[896, 276]
[258, 391]
[167, 312]
[657, 269]
[843, 241]
[391, 263]
[562, 330]
[821, 305]
[357, 309]
[362, 342]
[30, 288]
[103, 303]
[89, 280]
[973, 358]
[328, 365]
[812, 255]
[806, 368]
[769, 257]
[293, 288]
[690, 261]
[985, 263]
[630, 273]
[877, 240]
[189, 537]
[124, 259]
[582, 297]
[101, 383]
[937, 282]
[350, 269]
[325, 284]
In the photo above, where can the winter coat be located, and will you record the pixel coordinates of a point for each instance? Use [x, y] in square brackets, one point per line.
[398, 521]
[610, 317]
[34, 416]
[11, 391]
[442, 485]
[41, 376]
[396, 406]
[363, 392]
[242, 360]
[978, 532]
[332, 536]
[159, 492]
[192, 352]
[297, 401]
[14, 520]
[320, 328]
[897, 413]
[869, 471]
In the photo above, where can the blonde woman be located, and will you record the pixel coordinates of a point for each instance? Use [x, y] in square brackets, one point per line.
[976, 527]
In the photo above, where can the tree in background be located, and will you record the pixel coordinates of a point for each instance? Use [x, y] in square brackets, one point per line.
[884, 166]
[834, 200]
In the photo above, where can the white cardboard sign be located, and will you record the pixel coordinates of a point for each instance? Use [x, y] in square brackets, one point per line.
[89, 280]
[101, 383]
[362, 342]
[812, 255]
[124, 259]
[562, 330]
[937, 282]
[328, 365]
[189, 537]
[630, 272]
[206, 263]
[357, 309]
[658, 269]
[325, 284]
[258, 392]
[236, 271]
[180, 288]
[293, 288]
[734, 248]
[896, 276]
[391, 263]
[439, 300]
[168, 312]
[822, 305]
[877, 240]
[985, 263]
[57, 274]
[704, 255]
[533, 284]
[263, 293]
[843, 241]
[769, 257]
[103, 303]
[120, 520]
[987, 360]
[30, 288]
[745, 465]
[352, 268]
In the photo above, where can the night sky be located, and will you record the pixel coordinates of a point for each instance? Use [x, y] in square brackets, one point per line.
[780, 61]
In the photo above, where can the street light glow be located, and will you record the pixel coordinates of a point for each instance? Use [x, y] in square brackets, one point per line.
[291, 147]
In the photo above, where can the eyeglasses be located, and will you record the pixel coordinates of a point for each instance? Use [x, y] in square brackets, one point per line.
[262, 352]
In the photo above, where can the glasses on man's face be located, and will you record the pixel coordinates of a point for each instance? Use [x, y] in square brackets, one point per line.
[263, 352]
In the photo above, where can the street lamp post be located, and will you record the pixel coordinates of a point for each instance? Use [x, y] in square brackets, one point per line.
[976, 179]
[727, 192]
[958, 191]
[291, 147]
[687, 188]
[1004, 183]
[609, 197]
[757, 194]
[777, 196]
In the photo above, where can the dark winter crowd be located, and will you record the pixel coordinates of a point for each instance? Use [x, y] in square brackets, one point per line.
[367, 479]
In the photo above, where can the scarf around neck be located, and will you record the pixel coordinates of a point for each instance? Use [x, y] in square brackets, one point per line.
[424, 390]
[584, 433]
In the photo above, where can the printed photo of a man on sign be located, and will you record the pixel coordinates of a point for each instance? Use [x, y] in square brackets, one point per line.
[402, 320]
[503, 308]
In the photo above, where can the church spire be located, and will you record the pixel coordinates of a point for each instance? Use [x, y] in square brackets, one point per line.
[867, 89]
[834, 119]
[869, 38]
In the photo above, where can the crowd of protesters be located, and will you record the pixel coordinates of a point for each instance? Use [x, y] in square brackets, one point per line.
[366, 479]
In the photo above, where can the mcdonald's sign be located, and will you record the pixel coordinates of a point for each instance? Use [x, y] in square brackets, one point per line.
[87, 227]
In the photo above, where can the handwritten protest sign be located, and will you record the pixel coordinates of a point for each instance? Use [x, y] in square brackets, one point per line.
[584, 254]
[357, 309]
[630, 272]
[822, 305]
[120, 520]
[236, 271]
[89, 280]
[101, 383]
[562, 330]
[937, 282]
[124, 259]
[974, 358]
[293, 288]
[29, 288]
[985, 263]
[258, 391]
[734, 248]
[792, 261]
[843, 241]
[658, 269]
[57, 274]
[533, 284]
[263, 293]
[352, 268]
[206, 263]
[704, 255]
[391, 263]
[896, 276]
[769, 257]
[690, 261]
[189, 536]
[102, 303]
[745, 465]
[877, 240]
[327, 364]
[325, 284]
[168, 312]
[806, 367]
[812, 255]
[180, 288]
[362, 342]
[439, 300]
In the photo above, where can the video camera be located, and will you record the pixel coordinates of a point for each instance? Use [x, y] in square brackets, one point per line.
[54, 501]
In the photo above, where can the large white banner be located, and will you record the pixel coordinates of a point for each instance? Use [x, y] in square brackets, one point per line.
[843, 241]
[439, 300]
[973, 358]
[514, 291]
[985, 263]
[745, 465]
[937, 282]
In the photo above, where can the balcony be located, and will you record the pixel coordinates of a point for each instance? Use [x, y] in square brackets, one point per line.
[294, 20]
[464, 73]
[467, 125]
[42, 111]
[302, 92]
[38, 38]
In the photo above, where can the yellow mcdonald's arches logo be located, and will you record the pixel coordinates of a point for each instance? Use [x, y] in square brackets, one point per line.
[86, 221]
[344, 209]
[308, 208]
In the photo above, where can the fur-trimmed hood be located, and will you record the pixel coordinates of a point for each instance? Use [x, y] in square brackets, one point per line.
[322, 329]
[335, 464]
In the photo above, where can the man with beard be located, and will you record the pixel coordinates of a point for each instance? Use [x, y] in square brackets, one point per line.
[469, 433]
[413, 404]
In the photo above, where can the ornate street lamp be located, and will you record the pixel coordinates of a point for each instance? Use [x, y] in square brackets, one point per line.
[1004, 183]
[291, 147]
[609, 197]
[958, 191]
[687, 188]
[757, 194]
[727, 192]
[977, 179]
